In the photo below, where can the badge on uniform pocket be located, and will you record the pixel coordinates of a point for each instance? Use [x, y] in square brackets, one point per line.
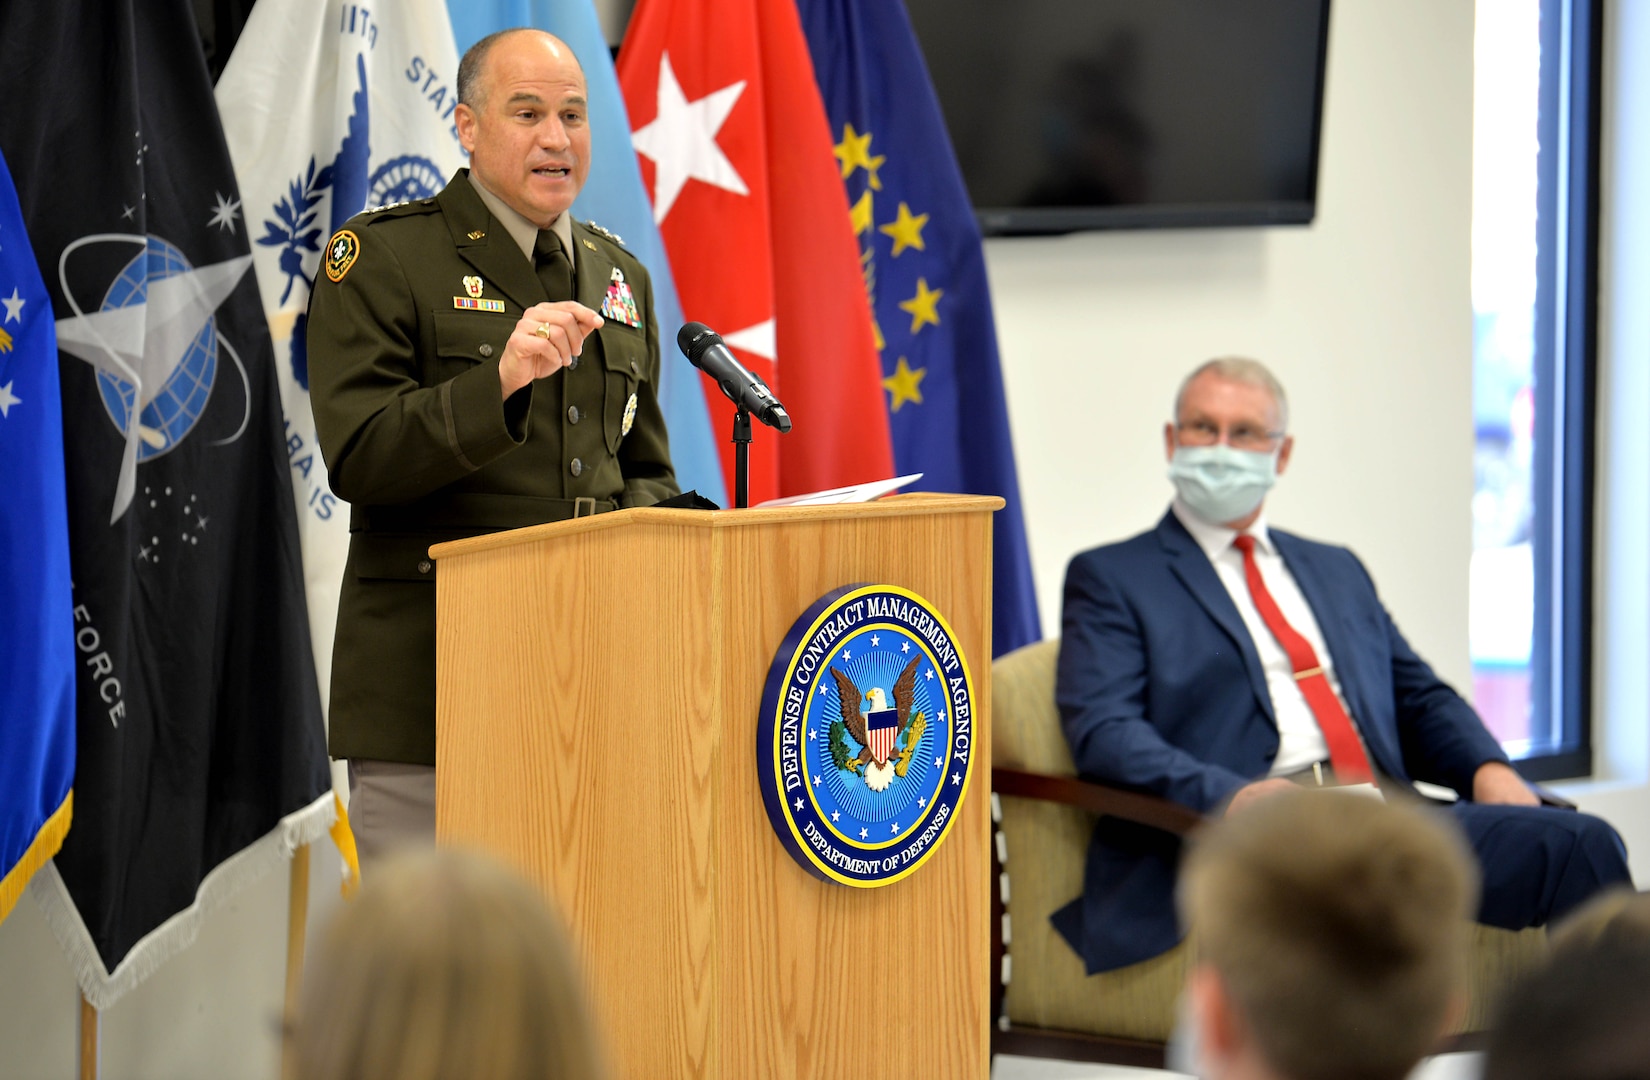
[620, 303]
[629, 416]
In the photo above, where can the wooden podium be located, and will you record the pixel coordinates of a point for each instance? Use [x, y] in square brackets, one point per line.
[599, 682]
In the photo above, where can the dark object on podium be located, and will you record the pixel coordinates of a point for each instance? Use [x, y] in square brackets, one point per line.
[687, 500]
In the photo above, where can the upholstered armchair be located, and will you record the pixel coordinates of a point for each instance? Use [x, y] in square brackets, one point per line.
[1046, 1005]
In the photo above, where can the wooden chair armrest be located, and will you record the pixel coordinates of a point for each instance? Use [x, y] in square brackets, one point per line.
[1552, 798]
[1097, 798]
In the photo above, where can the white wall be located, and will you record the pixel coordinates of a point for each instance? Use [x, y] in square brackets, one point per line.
[1366, 317]
[212, 1013]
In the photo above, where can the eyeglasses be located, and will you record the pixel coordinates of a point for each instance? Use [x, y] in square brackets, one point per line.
[1238, 437]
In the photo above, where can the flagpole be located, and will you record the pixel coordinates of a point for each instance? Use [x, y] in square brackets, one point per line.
[296, 920]
[88, 1040]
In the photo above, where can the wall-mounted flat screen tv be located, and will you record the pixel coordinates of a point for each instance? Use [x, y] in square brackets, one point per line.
[1090, 114]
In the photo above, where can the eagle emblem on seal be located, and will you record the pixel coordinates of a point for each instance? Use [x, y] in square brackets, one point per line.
[886, 737]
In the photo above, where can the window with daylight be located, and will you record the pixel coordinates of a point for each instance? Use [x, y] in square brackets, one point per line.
[1534, 258]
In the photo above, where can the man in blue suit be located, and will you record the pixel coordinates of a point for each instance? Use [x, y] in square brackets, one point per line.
[1213, 661]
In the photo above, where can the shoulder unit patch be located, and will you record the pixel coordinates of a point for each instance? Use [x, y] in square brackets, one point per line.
[342, 251]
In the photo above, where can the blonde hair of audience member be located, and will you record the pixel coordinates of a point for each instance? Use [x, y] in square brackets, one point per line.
[1331, 932]
[447, 966]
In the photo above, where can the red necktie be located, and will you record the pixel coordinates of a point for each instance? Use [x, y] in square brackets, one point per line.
[1346, 753]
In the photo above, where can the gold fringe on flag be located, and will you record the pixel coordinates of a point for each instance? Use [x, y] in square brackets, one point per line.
[46, 844]
[345, 839]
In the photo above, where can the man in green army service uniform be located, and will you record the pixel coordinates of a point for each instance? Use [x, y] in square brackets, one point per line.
[478, 361]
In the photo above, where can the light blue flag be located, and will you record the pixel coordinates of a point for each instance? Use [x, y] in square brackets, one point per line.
[614, 198]
[37, 702]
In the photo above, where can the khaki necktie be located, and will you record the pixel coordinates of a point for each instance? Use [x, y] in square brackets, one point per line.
[550, 262]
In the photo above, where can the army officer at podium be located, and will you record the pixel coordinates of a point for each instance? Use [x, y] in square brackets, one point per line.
[478, 361]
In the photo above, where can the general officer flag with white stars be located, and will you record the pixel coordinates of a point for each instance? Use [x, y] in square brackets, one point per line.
[925, 272]
[36, 631]
[201, 756]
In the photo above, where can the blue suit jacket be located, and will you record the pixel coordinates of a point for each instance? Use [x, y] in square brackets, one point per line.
[1161, 690]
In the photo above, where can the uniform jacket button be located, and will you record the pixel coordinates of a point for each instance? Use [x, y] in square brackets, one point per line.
[485, 350]
[634, 370]
[423, 566]
[575, 466]
[572, 414]
[574, 362]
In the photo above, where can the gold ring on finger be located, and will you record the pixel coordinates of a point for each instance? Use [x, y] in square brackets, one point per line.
[543, 331]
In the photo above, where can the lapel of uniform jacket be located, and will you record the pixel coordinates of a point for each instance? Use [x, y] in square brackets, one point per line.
[486, 244]
[1195, 572]
[592, 269]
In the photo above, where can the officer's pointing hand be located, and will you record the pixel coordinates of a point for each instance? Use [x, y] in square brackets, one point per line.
[545, 340]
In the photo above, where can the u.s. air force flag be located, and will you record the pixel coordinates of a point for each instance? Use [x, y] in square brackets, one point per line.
[201, 759]
[330, 107]
[925, 271]
[36, 627]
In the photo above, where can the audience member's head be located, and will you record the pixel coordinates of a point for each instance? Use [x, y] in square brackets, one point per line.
[446, 967]
[1585, 1013]
[1620, 916]
[1331, 937]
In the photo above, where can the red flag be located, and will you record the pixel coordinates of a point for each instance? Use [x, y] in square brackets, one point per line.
[736, 152]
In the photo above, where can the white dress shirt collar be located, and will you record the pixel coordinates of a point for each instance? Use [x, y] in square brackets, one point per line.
[1215, 539]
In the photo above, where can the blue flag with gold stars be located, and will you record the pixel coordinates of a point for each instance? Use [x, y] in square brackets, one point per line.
[36, 625]
[925, 275]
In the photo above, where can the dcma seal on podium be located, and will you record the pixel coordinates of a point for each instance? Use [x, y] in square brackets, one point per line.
[865, 741]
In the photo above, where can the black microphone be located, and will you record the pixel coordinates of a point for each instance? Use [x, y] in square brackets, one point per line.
[706, 351]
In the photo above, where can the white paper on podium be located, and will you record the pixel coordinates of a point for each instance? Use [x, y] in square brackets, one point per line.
[854, 493]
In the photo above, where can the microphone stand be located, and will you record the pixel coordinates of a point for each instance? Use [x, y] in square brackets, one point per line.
[741, 457]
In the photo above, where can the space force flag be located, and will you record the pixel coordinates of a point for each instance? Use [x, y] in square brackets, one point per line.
[200, 756]
[613, 197]
[36, 627]
[925, 272]
[330, 107]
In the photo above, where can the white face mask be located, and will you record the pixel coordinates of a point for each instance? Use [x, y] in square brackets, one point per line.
[1221, 484]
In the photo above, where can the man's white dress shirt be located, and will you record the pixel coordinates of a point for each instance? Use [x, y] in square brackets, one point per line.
[1300, 740]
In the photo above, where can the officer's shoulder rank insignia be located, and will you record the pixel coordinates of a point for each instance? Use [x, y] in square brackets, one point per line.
[865, 740]
[629, 417]
[342, 251]
[599, 231]
[620, 304]
[381, 207]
